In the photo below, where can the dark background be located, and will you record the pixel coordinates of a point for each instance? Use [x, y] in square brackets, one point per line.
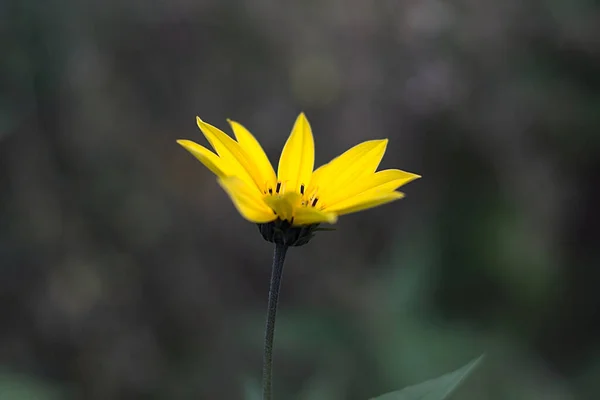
[126, 273]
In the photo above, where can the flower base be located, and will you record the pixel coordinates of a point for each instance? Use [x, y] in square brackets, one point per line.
[283, 233]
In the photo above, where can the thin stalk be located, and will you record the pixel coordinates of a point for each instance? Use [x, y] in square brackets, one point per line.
[278, 258]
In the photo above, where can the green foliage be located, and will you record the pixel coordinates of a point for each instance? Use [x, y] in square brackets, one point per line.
[435, 389]
[252, 390]
[23, 387]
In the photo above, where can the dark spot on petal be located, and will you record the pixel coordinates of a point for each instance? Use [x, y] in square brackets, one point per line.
[278, 187]
[301, 189]
[314, 203]
[270, 190]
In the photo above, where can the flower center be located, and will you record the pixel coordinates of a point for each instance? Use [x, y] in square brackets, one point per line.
[312, 200]
[306, 200]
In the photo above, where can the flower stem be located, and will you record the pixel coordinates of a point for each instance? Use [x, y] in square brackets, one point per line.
[278, 258]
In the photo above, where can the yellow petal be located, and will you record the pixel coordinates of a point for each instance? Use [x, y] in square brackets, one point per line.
[231, 153]
[283, 205]
[382, 181]
[255, 153]
[298, 157]
[361, 160]
[309, 215]
[246, 201]
[364, 201]
[206, 157]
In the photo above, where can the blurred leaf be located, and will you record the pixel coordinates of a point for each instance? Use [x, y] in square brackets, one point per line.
[23, 387]
[328, 383]
[406, 322]
[434, 389]
[320, 388]
[252, 390]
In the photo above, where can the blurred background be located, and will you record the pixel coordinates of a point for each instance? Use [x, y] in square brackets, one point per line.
[126, 273]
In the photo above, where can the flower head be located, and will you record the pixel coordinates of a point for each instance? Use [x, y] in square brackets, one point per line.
[297, 196]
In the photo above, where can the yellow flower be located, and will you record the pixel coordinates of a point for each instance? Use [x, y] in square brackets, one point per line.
[297, 194]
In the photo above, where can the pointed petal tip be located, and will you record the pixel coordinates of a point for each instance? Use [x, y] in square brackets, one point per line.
[297, 159]
[383, 141]
[185, 142]
[379, 143]
[384, 144]
[412, 177]
[232, 122]
[200, 122]
[302, 118]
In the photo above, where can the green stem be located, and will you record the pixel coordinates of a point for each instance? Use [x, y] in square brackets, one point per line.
[278, 258]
